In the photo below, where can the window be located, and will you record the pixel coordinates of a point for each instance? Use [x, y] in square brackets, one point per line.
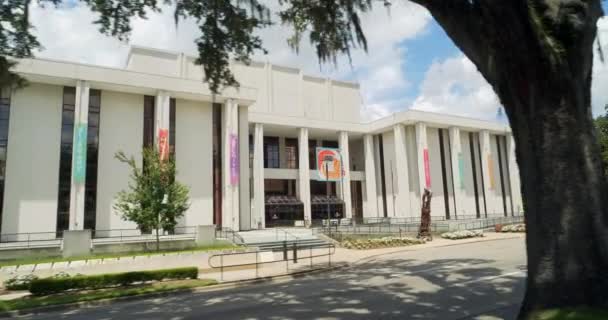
[148, 121]
[65, 160]
[90, 192]
[330, 144]
[291, 153]
[172, 127]
[5, 105]
[271, 152]
[217, 163]
[312, 154]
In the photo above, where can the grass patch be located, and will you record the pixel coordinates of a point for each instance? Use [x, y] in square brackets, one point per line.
[570, 314]
[73, 297]
[38, 260]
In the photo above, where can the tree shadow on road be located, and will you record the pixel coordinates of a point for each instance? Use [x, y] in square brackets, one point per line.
[396, 288]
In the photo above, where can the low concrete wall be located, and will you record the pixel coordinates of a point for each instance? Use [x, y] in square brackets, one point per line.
[142, 246]
[13, 254]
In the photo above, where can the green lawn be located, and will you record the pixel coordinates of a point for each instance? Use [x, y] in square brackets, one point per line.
[570, 314]
[36, 260]
[73, 297]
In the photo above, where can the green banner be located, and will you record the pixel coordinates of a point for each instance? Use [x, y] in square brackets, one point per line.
[461, 169]
[80, 153]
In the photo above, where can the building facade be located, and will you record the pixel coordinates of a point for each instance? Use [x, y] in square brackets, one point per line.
[247, 154]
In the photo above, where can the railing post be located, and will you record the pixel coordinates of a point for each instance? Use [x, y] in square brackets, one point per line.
[222, 267]
[285, 250]
[310, 257]
[295, 253]
[256, 264]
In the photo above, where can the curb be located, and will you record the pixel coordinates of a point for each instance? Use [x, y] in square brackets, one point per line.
[211, 288]
[456, 243]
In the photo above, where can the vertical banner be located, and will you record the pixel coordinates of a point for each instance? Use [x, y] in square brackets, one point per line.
[461, 169]
[80, 153]
[163, 144]
[427, 169]
[234, 159]
[491, 171]
[331, 159]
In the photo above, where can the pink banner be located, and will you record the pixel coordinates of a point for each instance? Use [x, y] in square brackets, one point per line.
[234, 159]
[427, 169]
[163, 144]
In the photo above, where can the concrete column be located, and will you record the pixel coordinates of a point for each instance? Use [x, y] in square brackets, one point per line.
[304, 173]
[244, 192]
[258, 209]
[403, 203]
[457, 162]
[371, 201]
[345, 183]
[79, 156]
[161, 110]
[422, 148]
[515, 183]
[484, 142]
[378, 171]
[230, 185]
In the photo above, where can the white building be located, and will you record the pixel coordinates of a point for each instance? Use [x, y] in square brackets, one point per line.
[277, 117]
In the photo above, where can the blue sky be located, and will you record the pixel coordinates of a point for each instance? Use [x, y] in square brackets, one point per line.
[411, 62]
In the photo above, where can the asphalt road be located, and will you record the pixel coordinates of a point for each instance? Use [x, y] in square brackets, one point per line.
[482, 280]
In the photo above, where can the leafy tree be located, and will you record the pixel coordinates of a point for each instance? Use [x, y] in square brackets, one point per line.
[155, 200]
[536, 54]
[601, 124]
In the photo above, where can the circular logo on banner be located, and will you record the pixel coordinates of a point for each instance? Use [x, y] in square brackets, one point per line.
[329, 164]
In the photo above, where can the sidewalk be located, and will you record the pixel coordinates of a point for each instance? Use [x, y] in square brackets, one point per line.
[269, 264]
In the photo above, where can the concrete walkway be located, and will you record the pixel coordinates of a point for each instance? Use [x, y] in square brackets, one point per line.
[269, 264]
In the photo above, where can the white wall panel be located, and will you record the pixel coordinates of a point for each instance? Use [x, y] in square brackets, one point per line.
[194, 160]
[121, 129]
[32, 167]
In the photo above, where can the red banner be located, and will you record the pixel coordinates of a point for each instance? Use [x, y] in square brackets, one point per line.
[163, 144]
[427, 169]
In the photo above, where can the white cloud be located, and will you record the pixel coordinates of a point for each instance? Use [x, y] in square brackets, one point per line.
[455, 86]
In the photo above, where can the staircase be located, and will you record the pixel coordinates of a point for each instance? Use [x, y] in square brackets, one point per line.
[275, 239]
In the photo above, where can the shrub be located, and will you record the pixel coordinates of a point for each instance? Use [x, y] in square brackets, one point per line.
[384, 242]
[514, 228]
[22, 282]
[464, 234]
[54, 285]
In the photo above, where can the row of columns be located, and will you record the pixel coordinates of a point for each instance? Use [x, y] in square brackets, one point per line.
[235, 158]
[303, 182]
[403, 200]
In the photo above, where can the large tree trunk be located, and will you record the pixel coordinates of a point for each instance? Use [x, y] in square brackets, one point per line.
[538, 56]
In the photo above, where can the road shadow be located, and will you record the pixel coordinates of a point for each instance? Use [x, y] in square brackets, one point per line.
[393, 288]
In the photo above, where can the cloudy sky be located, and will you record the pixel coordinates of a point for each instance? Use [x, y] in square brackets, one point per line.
[410, 63]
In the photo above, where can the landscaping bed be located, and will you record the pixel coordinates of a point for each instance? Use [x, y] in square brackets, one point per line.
[381, 242]
[63, 288]
[464, 234]
[512, 228]
[113, 293]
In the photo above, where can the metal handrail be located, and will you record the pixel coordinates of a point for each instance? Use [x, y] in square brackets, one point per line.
[331, 250]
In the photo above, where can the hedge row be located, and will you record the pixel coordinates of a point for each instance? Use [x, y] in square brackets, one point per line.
[81, 282]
